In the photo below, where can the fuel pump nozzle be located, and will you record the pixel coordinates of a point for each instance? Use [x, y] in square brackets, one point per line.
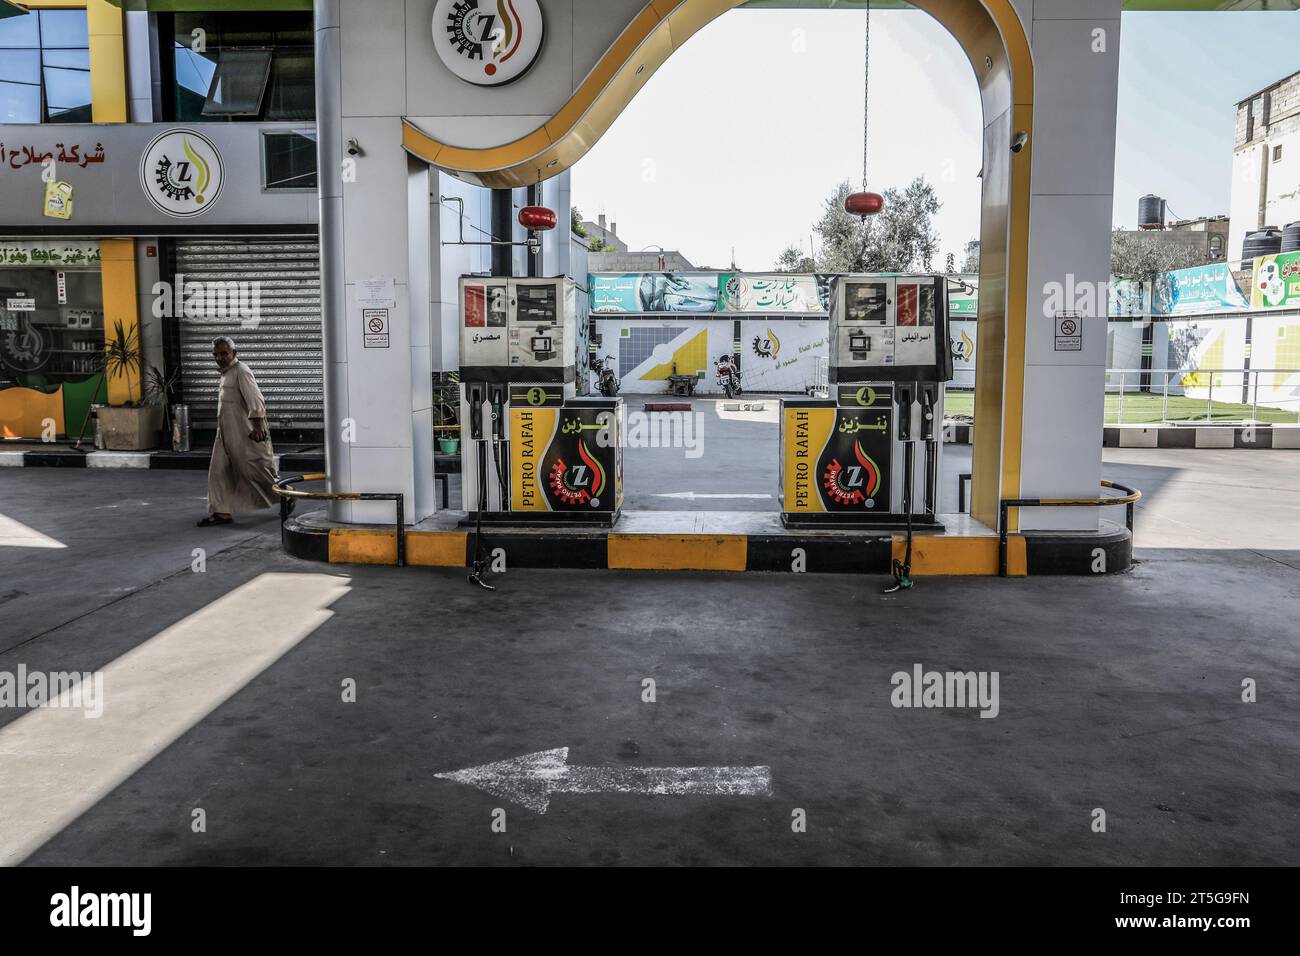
[908, 400]
[497, 400]
[476, 395]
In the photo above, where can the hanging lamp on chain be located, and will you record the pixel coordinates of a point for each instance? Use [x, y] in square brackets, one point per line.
[865, 203]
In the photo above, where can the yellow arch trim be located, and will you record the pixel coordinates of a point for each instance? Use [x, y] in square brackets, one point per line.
[993, 37]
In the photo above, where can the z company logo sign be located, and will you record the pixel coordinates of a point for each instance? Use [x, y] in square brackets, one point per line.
[487, 42]
[181, 172]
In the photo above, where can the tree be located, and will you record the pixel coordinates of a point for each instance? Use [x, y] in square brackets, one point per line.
[950, 265]
[1141, 257]
[900, 238]
[575, 222]
[599, 245]
[792, 259]
[972, 262]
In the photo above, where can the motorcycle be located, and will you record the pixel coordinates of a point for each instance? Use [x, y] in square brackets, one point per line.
[606, 380]
[728, 376]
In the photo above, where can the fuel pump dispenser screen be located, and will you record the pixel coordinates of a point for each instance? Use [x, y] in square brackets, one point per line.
[536, 303]
[867, 302]
[888, 329]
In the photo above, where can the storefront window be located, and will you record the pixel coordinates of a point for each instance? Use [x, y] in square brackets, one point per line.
[45, 68]
[242, 66]
[51, 312]
[51, 336]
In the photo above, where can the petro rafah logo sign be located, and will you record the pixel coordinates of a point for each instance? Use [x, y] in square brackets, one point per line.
[487, 42]
[181, 173]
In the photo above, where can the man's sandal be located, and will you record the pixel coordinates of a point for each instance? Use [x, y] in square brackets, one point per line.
[214, 519]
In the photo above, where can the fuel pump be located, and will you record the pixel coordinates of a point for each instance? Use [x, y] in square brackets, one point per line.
[555, 457]
[850, 460]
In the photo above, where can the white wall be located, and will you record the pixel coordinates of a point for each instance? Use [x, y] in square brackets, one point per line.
[1248, 185]
[450, 262]
[1072, 184]
[1282, 203]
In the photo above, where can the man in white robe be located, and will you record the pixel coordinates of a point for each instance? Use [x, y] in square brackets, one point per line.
[243, 462]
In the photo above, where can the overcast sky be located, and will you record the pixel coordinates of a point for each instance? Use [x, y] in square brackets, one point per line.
[740, 136]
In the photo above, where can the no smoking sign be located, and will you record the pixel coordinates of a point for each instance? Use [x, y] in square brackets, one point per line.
[374, 322]
[1069, 332]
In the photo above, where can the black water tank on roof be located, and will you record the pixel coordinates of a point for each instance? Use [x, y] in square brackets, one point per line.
[1263, 242]
[1151, 212]
[1291, 237]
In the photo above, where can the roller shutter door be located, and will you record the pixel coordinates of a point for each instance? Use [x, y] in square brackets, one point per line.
[283, 347]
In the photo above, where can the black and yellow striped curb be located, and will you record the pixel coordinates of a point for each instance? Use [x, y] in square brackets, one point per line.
[1202, 436]
[1108, 551]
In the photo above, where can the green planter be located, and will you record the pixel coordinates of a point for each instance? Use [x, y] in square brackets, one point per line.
[449, 446]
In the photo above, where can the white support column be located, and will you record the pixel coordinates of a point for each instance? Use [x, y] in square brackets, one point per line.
[374, 225]
[1075, 47]
[556, 195]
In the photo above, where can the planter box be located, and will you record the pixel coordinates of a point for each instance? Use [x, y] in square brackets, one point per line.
[130, 429]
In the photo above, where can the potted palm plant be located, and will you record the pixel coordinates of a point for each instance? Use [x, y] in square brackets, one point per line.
[446, 412]
[133, 425]
[159, 390]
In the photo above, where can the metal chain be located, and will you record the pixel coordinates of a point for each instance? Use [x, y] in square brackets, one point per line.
[866, 90]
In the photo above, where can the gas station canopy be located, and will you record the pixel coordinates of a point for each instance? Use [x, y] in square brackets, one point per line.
[209, 6]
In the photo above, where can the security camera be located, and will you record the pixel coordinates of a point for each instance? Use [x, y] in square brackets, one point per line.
[1018, 143]
[354, 148]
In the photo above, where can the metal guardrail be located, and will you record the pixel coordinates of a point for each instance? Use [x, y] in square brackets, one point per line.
[283, 488]
[1129, 499]
[962, 481]
[1246, 386]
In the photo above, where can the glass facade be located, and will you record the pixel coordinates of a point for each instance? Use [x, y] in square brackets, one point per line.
[45, 68]
[289, 159]
[240, 66]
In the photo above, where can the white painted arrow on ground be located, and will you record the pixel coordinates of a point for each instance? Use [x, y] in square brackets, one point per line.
[530, 780]
[691, 495]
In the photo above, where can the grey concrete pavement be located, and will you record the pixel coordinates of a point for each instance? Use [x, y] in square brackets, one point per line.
[1121, 692]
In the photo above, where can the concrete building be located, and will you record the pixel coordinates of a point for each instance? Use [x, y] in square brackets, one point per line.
[619, 258]
[606, 233]
[133, 94]
[1205, 239]
[648, 260]
[1266, 161]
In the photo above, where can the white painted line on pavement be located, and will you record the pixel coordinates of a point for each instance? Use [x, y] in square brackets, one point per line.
[692, 495]
[55, 763]
[15, 534]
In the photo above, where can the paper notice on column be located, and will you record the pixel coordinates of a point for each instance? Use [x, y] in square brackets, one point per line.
[378, 293]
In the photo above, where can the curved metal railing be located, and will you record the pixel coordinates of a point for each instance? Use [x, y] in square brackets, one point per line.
[1129, 498]
[283, 488]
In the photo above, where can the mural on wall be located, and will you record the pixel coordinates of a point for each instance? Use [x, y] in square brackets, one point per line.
[645, 352]
[961, 335]
[1206, 344]
[1275, 344]
[781, 356]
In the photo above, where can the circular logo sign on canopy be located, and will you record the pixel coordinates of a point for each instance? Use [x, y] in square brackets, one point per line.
[487, 42]
[181, 172]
